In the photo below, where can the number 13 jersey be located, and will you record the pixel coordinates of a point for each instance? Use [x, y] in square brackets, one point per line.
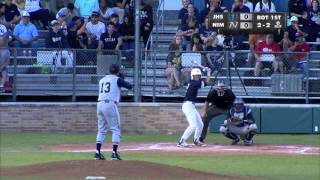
[109, 88]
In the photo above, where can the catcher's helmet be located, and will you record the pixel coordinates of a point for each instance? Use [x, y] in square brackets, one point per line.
[238, 104]
[114, 69]
[194, 72]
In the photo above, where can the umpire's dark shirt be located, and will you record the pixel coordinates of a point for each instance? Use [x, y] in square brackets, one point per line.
[224, 102]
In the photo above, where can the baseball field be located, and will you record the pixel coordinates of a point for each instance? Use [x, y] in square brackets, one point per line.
[45, 156]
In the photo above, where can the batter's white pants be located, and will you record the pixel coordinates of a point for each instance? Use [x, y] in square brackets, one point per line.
[194, 120]
[108, 119]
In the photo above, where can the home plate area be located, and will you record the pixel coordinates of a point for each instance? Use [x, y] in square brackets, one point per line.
[209, 149]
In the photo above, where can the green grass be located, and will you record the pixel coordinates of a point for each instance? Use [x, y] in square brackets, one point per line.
[19, 149]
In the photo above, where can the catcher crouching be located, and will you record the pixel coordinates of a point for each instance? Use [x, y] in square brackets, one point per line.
[240, 123]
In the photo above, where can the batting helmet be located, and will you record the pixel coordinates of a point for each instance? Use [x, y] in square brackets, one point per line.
[114, 69]
[195, 72]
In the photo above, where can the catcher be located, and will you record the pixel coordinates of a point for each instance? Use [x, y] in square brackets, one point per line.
[239, 122]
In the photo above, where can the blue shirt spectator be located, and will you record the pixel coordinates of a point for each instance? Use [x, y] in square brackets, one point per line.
[25, 32]
[86, 7]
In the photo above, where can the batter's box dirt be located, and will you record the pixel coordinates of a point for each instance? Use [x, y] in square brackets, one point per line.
[210, 149]
[112, 170]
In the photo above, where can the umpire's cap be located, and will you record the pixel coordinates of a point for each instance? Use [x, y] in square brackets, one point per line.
[114, 69]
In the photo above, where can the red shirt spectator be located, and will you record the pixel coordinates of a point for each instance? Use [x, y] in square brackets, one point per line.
[267, 48]
[300, 47]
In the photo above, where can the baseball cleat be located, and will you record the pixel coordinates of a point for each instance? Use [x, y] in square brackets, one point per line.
[247, 142]
[234, 142]
[184, 144]
[199, 143]
[99, 156]
[115, 157]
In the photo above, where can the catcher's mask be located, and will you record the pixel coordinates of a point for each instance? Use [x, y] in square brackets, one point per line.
[238, 104]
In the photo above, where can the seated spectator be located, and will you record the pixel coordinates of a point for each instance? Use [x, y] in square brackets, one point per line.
[265, 57]
[188, 30]
[94, 30]
[206, 32]
[248, 4]
[298, 8]
[184, 10]
[110, 40]
[12, 14]
[105, 11]
[196, 42]
[85, 7]
[33, 7]
[69, 11]
[174, 66]
[77, 37]
[146, 21]
[214, 7]
[265, 6]
[127, 33]
[240, 7]
[299, 60]
[293, 29]
[314, 21]
[191, 13]
[56, 39]
[4, 55]
[118, 6]
[25, 33]
[115, 20]
[214, 60]
[254, 40]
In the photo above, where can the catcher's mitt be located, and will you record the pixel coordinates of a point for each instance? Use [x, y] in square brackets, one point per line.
[234, 121]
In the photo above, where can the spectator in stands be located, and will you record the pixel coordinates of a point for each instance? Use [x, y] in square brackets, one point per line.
[56, 39]
[33, 7]
[240, 7]
[248, 4]
[299, 60]
[174, 65]
[294, 28]
[94, 30]
[188, 30]
[118, 6]
[214, 7]
[2, 16]
[265, 57]
[25, 33]
[265, 6]
[298, 8]
[110, 40]
[127, 33]
[214, 60]
[184, 10]
[105, 11]
[314, 21]
[191, 13]
[254, 40]
[206, 32]
[70, 12]
[12, 14]
[77, 37]
[4, 55]
[196, 42]
[62, 19]
[86, 7]
[146, 21]
[115, 20]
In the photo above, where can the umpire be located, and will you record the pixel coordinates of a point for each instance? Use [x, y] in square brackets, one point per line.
[218, 101]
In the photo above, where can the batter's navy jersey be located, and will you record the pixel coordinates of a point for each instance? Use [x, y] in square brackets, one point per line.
[110, 88]
[192, 90]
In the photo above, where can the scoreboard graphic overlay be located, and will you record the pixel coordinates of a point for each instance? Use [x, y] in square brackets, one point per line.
[256, 23]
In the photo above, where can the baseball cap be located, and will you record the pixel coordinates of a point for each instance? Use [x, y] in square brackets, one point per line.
[95, 13]
[54, 22]
[293, 18]
[25, 14]
[62, 14]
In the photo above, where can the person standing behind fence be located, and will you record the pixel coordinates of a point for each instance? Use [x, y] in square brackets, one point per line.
[33, 7]
[218, 102]
[4, 55]
[25, 33]
[94, 30]
[107, 111]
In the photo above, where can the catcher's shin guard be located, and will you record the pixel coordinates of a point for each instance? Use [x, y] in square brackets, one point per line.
[250, 135]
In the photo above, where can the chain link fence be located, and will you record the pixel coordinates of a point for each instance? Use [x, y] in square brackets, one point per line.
[75, 73]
